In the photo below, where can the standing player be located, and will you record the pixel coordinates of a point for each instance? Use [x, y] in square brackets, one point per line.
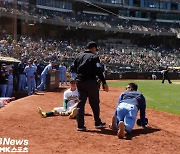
[69, 104]
[30, 71]
[72, 71]
[22, 76]
[126, 111]
[165, 74]
[62, 74]
[9, 90]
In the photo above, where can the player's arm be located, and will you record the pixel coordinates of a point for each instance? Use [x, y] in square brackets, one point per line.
[65, 104]
[143, 111]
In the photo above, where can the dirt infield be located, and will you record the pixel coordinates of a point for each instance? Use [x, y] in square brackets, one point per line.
[20, 121]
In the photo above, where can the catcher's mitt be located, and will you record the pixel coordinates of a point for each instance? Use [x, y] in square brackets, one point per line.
[138, 122]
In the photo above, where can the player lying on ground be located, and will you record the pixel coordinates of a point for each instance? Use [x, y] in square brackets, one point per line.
[126, 111]
[69, 104]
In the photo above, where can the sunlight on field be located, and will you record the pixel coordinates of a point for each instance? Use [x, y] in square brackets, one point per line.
[164, 97]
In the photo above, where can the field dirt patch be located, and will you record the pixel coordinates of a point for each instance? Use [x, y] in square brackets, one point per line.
[20, 120]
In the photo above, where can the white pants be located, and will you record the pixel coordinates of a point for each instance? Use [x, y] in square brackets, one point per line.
[69, 107]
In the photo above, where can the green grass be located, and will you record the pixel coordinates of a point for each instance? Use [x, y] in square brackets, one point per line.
[163, 97]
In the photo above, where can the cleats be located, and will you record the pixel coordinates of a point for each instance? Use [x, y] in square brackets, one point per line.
[121, 130]
[101, 125]
[81, 128]
[73, 114]
[43, 114]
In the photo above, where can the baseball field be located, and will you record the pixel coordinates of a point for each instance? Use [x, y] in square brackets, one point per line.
[23, 130]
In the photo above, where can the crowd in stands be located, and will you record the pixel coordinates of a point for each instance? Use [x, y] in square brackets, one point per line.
[80, 19]
[137, 58]
[41, 51]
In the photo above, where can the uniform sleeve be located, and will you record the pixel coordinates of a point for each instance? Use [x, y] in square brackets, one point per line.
[99, 70]
[66, 95]
[65, 104]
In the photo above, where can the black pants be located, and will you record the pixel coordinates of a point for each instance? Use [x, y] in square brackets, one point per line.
[166, 78]
[88, 89]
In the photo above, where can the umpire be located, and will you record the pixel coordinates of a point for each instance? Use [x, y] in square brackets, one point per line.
[87, 66]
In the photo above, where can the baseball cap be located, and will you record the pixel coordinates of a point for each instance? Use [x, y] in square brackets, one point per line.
[72, 79]
[91, 44]
[30, 61]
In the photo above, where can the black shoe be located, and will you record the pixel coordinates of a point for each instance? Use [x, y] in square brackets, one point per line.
[81, 128]
[101, 125]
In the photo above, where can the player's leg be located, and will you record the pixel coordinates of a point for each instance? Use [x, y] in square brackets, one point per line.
[29, 86]
[163, 79]
[121, 113]
[114, 123]
[43, 114]
[169, 80]
[60, 111]
[33, 86]
[3, 89]
[73, 111]
[47, 114]
[130, 119]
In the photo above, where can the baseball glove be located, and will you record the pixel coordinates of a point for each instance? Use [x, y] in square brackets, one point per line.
[138, 122]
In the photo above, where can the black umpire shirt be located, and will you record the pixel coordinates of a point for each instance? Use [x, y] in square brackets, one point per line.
[87, 66]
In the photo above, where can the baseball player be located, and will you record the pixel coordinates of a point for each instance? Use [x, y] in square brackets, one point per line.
[62, 74]
[165, 74]
[126, 111]
[69, 104]
[30, 71]
[22, 76]
[47, 69]
[3, 80]
[9, 90]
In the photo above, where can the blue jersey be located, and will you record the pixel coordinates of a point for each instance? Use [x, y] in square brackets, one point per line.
[62, 70]
[46, 69]
[10, 79]
[134, 98]
[30, 71]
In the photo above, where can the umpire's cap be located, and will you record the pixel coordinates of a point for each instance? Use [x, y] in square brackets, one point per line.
[91, 45]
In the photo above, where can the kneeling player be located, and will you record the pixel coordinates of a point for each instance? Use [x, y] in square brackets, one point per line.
[126, 111]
